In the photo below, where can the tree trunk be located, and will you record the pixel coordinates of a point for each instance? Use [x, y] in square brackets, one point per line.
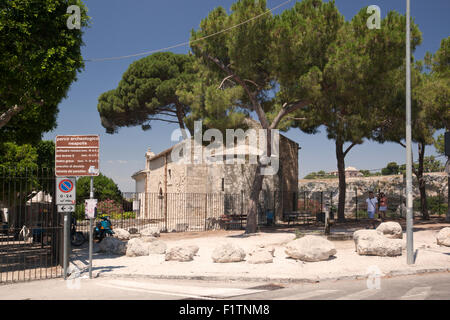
[421, 181]
[252, 224]
[180, 116]
[8, 114]
[340, 156]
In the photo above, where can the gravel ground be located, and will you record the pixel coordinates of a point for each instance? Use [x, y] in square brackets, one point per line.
[346, 263]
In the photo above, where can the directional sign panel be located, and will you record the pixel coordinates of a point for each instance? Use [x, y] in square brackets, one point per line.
[77, 155]
[65, 191]
[66, 208]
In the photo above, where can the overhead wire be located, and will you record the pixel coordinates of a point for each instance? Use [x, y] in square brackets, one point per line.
[182, 44]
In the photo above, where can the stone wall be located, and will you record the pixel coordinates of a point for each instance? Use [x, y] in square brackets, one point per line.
[358, 188]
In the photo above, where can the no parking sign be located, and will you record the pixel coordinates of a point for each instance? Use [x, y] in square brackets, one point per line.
[65, 191]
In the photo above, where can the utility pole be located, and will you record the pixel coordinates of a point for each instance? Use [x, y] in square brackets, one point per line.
[447, 170]
[409, 196]
[91, 240]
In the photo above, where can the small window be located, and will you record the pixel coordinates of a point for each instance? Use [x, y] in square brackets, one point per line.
[223, 184]
[170, 174]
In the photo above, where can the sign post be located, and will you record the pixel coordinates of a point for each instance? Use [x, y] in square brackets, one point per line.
[65, 201]
[91, 226]
[90, 206]
[75, 155]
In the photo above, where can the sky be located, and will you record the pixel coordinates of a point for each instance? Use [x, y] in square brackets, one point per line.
[124, 27]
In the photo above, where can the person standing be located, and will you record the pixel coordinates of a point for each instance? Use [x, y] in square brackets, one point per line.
[371, 202]
[382, 202]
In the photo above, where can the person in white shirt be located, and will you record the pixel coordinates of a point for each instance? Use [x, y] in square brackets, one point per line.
[371, 207]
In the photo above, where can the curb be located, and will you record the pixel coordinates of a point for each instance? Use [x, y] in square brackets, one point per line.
[393, 273]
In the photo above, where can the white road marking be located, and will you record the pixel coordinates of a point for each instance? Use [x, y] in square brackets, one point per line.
[191, 291]
[417, 293]
[152, 291]
[360, 294]
[307, 295]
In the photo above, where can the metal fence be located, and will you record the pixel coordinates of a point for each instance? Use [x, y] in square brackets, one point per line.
[30, 227]
[317, 201]
[178, 212]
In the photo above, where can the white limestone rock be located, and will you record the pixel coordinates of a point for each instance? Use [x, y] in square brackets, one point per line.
[228, 253]
[443, 237]
[181, 254]
[261, 255]
[392, 230]
[112, 245]
[137, 248]
[121, 234]
[310, 248]
[150, 231]
[372, 243]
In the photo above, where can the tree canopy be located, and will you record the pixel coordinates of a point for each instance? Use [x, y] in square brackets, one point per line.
[239, 76]
[46, 154]
[319, 175]
[39, 59]
[149, 91]
[391, 168]
[430, 84]
[104, 189]
[348, 88]
[439, 144]
[305, 68]
[18, 157]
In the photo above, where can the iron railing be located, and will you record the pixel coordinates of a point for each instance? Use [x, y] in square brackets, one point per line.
[30, 227]
[317, 201]
[178, 212]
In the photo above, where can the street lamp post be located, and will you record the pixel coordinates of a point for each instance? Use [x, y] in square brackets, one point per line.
[409, 196]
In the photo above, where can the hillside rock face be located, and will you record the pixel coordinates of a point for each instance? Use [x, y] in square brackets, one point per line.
[393, 186]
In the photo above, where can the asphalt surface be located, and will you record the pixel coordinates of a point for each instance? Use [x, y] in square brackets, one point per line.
[434, 286]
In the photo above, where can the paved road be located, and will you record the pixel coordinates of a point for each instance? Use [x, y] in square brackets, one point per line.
[417, 287]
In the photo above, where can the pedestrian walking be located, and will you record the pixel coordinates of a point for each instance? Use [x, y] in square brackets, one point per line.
[371, 202]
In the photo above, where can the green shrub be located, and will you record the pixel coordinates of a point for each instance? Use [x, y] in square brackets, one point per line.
[362, 214]
[119, 215]
[436, 205]
[106, 208]
[129, 215]
[79, 212]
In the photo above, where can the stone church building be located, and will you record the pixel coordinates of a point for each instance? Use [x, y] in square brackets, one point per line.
[174, 192]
